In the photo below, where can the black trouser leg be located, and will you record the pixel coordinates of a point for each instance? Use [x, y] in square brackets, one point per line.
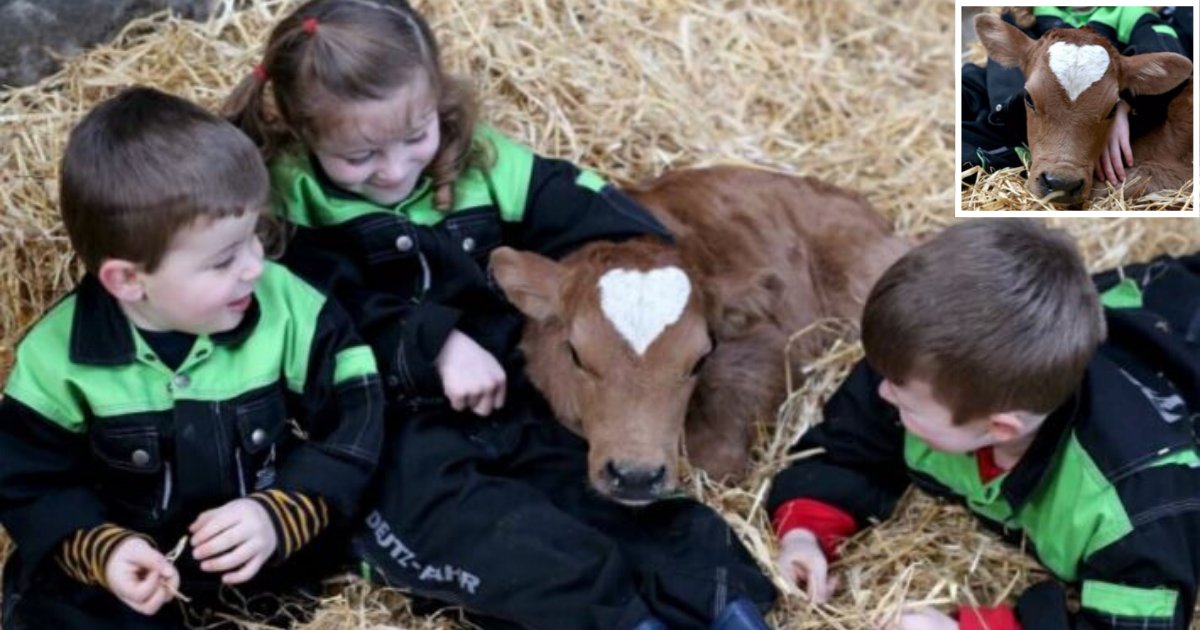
[496, 516]
[448, 527]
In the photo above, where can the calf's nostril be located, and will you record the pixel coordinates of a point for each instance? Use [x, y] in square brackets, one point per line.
[614, 475]
[635, 479]
[658, 475]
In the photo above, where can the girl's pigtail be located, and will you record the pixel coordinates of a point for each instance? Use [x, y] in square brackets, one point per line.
[246, 109]
[457, 115]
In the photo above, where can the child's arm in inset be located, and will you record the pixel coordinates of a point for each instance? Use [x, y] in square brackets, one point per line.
[1150, 33]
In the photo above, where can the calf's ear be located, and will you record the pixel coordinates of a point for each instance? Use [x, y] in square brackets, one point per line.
[531, 282]
[1005, 43]
[1154, 73]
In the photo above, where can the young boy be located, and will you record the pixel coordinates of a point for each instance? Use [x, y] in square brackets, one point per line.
[186, 395]
[988, 379]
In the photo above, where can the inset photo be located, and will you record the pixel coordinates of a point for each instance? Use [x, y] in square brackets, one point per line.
[1077, 110]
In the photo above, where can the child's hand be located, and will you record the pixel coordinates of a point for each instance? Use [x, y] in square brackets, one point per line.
[471, 377]
[237, 535]
[140, 576]
[925, 619]
[801, 560]
[1110, 166]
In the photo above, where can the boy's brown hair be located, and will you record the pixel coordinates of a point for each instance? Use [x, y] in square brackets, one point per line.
[143, 165]
[327, 52]
[997, 315]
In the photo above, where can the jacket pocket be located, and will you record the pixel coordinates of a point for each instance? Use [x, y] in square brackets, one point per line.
[476, 233]
[262, 429]
[132, 472]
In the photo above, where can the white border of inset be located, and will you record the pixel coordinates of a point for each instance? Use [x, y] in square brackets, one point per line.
[1064, 214]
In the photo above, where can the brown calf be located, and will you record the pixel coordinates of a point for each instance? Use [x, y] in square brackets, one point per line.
[1073, 78]
[632, 342]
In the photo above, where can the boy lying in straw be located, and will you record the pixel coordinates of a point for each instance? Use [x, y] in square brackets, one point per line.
[152, 402]
[989, 380]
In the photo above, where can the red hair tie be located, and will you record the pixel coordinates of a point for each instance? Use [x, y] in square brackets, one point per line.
[260, 72]
[309, 25]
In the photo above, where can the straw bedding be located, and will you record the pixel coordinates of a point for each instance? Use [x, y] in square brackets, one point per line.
[860, 96]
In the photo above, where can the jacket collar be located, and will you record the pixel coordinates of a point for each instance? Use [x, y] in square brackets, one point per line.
[101, 334]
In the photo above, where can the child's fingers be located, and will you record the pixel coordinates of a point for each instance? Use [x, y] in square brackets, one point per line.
[458, 402]
[221, 543]
[160, 596]
[248, 571]
[221, 520]
[1126, 151]
[817, 588]
[201, 521]
[232, 559]
[1115, 159]
[138, 589]
[1108, 168]
[171, 575]
[501, 390]
[471, 400]
[483, 406]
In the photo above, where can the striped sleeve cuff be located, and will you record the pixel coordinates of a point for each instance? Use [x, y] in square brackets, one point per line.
[84, 555]
[297, 518]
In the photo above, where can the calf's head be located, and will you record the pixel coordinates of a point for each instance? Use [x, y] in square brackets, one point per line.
[1073, 81]
[615, 341]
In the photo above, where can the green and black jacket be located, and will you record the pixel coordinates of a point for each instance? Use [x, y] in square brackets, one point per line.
[1108, 495]
[410, 274]
[96, 432]
[1132, 31]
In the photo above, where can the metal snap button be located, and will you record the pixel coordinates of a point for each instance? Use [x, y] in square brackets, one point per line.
[404, 243]
[140, 458]
[258, 437]
[468, 244]
[181, 381]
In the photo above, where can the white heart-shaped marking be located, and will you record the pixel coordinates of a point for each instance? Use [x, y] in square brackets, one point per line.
[1077, 67]
[641, 304]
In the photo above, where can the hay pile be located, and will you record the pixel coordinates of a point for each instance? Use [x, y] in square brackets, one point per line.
[1004, 189]
[862, 97]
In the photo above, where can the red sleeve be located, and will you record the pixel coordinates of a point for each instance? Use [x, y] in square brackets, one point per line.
[830, 525]
[1000, 618]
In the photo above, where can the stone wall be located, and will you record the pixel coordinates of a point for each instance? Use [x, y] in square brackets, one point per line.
[32, 32]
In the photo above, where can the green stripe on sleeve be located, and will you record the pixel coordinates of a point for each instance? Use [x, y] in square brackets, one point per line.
[1124, 294]
[1165, 29]
[353, 362]
[1129, 601]
[590, 181]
